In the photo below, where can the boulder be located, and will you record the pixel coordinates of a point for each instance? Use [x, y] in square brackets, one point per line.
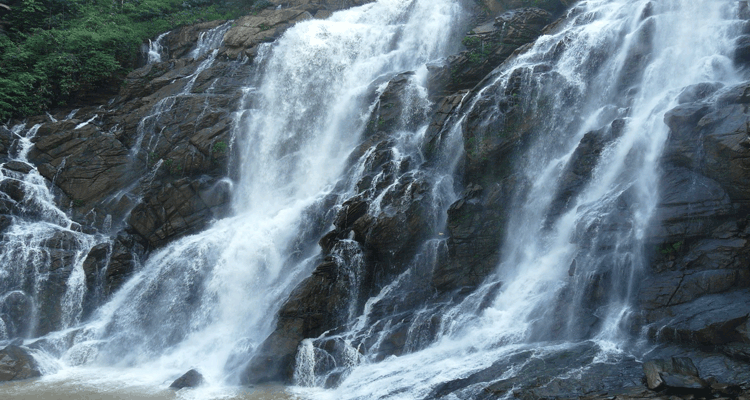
[190, 379]
[16, 363]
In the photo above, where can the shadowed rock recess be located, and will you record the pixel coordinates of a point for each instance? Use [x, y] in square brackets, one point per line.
[418, 235]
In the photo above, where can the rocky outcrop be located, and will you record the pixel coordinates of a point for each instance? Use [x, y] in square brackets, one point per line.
[268, 24]
[16, 364]
[500, 6]
[694, 293]
[152, 167]
[490, 44]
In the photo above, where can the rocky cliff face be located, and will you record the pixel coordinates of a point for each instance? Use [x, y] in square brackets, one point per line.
[155, 164]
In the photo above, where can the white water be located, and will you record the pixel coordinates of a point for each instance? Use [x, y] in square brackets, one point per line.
[155, 49]
[210, 40]
[29, 255]
[208, 300]
[690, 42]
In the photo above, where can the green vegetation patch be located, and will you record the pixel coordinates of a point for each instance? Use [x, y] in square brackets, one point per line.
[50, 50]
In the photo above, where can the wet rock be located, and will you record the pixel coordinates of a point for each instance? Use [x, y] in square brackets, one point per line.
[488, 46]
[178, 208]
[18, 166]
[6, 139]
[698, 92]
[317, 304]
[581, 166]
[15, 309]
[190, 379]
[676, 373]
[554, 6]
[16, 364]
[389, 109]
[85, 163]
[476, 226]
[95, 263]
[446, 108]
[543, 375]
[711, 140]
[715, 319]
[181, 41]
[13, 188]
[127, 252]
[251, 30]
[691, 205]
[742, 50]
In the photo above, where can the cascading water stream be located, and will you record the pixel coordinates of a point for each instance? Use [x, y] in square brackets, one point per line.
[39, 241]
[209, 40]
[599, 86]
[208, 300]
[155, 49]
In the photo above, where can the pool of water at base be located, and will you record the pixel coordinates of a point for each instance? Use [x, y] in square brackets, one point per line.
[126, 386]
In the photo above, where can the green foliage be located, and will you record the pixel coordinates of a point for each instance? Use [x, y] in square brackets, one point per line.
[479, 50]
[54, 49]
[173, 167]
[671, 249]
[471, 42]
[220, 147]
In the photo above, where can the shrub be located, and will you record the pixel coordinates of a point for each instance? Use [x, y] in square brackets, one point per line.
[54, 49]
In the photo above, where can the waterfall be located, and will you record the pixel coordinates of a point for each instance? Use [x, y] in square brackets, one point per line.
[584, 106]
[155, 49]
[40, 245]
[209, 40]
[208, 300]
[590, 95]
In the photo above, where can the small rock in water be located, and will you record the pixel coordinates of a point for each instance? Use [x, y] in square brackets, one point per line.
[16, 364]
[191, 379]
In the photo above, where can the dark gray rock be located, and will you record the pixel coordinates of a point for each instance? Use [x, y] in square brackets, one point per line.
[742, 50]
[544, 376]
[16, 364]
[715, 319]
[190, 379]
[676, 373]
[581, 166]
[488, 46]
[17, 166]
